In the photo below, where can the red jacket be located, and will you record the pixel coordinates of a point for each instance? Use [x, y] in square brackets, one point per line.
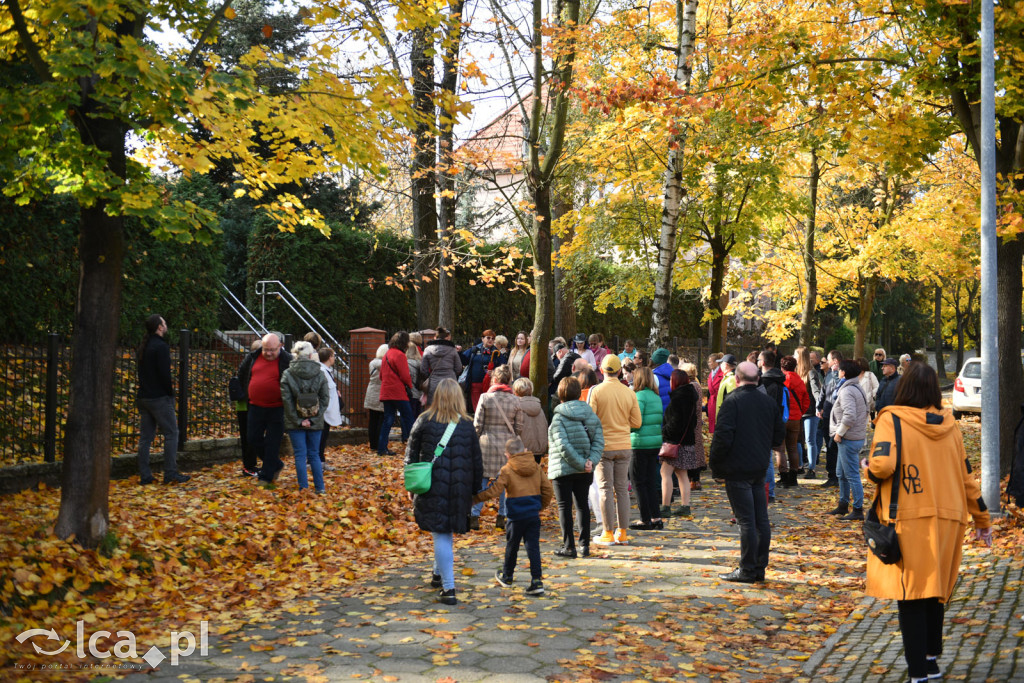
[799, 399]
[394, 376]
[714, 382]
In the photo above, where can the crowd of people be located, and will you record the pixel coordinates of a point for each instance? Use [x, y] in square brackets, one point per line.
[618, 420]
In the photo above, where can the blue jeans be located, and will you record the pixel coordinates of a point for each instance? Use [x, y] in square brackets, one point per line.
[749, 505]
[516, 532]
[158, 412]
[444, 559]
[849, 472]
[404, 409]
[478, 507]
[771, 474]
[306, 444]
[266, 429]
[812, 440]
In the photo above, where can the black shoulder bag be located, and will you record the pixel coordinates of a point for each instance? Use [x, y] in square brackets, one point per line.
[881, 538]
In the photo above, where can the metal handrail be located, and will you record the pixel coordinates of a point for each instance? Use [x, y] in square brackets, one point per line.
[307, 318]
[249, 318]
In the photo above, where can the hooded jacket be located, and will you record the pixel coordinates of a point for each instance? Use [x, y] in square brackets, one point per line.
[440, 361]
[455, 477]
[575, 436]
[938, 491]
[304, 375]
[773, 380]
[531, 425]
[849, 416]
[799, 399]
[527, 490]
[663, 375]
[648, 434]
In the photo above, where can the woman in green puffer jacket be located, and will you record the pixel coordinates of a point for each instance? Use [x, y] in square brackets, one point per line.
[575, 446]
[644, 468]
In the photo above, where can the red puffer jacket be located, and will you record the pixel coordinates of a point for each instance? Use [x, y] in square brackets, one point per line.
[394, 376]
[799, 399]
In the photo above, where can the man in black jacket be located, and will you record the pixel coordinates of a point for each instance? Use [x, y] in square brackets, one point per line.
[886, 393]
[156, 403]
[748, 426]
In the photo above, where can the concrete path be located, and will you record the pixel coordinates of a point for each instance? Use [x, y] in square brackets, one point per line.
[652, 610]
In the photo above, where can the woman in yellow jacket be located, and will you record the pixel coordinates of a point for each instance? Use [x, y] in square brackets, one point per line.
[937, 494]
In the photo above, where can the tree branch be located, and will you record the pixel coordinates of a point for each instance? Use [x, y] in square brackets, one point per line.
[39, 64]
[193, 56]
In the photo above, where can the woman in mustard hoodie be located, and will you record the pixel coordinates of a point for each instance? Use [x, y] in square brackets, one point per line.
[937, 495]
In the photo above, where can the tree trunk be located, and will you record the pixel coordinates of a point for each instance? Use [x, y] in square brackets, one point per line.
[686, 14]
[866, 287]
[565, 300]
[85, 472]
[957, 311]
[810, 270]
[940, 363]
[422, 178]
[544, 284]
[1011, 375]
[541, 171]
[446, 177]
[719, 264]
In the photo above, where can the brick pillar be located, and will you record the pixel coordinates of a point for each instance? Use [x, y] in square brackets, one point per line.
[428, 335]
[362, 348]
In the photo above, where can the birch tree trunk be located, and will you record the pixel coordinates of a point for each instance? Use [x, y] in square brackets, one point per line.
[686, 13]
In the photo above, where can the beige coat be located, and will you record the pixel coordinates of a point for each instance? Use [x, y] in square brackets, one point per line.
[532, 426]
[495, 406]
[938, 495]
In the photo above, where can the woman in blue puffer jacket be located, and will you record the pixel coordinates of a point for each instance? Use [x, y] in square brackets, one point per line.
[575, 446]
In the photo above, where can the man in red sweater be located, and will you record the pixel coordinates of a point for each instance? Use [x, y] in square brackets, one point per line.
[260, 376]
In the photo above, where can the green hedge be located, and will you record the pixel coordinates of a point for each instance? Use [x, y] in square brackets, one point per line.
[39, 272]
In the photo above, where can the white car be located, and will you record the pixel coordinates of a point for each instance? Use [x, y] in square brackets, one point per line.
[967, 389]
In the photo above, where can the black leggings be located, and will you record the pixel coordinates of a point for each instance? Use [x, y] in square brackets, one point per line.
[373, 427]
[921, 628]
[645, 471]
[568, 488]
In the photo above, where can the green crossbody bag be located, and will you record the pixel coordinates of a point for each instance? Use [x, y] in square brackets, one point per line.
[417, 474]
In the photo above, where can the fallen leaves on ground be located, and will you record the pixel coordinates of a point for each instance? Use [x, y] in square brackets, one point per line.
[224, 550]
[219, 548]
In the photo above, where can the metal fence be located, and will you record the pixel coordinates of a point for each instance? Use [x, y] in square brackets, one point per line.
[34, 390]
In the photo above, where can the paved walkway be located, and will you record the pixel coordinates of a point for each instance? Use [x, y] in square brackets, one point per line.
[653, 610]
[982, 632]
